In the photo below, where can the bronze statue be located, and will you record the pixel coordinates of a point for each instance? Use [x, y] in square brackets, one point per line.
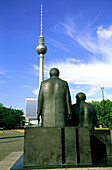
[83, 113]
[54, 101]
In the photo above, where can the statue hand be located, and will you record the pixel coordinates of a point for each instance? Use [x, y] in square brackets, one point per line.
[38, 118]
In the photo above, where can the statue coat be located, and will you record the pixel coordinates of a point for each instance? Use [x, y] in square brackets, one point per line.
[84, 115]
[54, 102]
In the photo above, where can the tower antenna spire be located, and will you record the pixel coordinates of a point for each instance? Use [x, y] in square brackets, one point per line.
[41, 50]
[41, 21]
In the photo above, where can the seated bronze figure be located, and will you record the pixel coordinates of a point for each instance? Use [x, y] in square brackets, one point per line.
[83, 113]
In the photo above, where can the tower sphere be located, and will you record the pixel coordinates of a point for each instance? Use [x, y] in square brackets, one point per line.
[41, 49]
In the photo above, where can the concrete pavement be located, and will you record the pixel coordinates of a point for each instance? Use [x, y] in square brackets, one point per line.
[10, 141]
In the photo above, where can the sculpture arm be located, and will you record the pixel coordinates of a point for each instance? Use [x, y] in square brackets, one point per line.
[68, 100]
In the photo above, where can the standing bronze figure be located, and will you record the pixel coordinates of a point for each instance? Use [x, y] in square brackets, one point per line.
[54, 101]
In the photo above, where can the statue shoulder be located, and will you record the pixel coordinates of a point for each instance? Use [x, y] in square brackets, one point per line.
[90, 107]
[45, 81]
[63, 81]
[74, 106]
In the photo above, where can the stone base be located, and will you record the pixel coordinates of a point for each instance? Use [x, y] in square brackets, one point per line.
[101, 145]
[70, 146]
[42, 146]
[50, 146]
[61, 147]
[105, 164]
[85, 157]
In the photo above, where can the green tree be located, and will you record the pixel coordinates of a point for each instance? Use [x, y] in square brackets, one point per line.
[1, 105]
[96, 105]
[108, 111]
[103, 111]
[11, 117]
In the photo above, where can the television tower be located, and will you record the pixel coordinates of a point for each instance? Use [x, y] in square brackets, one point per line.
[41, 50]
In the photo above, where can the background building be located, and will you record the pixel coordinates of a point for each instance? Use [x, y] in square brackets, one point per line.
[31, 110]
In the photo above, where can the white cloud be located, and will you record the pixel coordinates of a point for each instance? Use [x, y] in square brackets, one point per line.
[36, 92]
[98, 42]
[90, 100]
[95, 45]
[96, 74]
[109, 97]
[72, 60]
[104, 33]
[25, 86]
[99, 99]
[58, 45]
[36, 70]
[92, 21]
[35, 67]
[89, 77]
[92, 91]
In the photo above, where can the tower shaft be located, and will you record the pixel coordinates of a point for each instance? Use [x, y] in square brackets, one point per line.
[41, 50]
[41, 73]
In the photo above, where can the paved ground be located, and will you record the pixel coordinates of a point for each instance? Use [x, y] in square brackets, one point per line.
[10, 141]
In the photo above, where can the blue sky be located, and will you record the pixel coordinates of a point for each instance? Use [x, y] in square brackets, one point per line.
[78, 36]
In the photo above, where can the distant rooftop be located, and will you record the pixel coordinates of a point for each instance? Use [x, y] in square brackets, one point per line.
[31, 99]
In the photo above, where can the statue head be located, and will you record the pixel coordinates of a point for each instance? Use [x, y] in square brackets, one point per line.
[54, 72]
[80, 97]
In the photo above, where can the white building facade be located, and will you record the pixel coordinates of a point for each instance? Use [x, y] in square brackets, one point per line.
[31, 110]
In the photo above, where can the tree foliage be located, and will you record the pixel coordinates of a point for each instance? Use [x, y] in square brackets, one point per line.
[11, 117]
[103, 111]
[1, 105]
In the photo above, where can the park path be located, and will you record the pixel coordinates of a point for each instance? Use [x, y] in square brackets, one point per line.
[11, 141]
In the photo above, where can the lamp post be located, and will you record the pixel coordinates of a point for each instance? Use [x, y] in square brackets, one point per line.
[102, 89]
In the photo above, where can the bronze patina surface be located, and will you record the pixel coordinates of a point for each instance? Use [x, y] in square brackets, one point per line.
[84, 114]
[54, 101]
